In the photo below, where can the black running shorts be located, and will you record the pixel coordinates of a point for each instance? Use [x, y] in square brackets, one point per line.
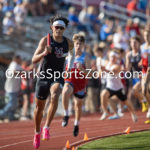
[120, 94]
[43, 87]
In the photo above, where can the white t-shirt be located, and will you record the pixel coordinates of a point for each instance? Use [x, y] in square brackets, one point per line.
[12, 84]
[82, 17]
[8, 23]
[120, 41]
[20, 13]
[113, 82]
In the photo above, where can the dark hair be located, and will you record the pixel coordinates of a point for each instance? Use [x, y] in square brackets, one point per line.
[16, 56]
[137, 38]
[98, 49]
[78, 37]
[118, 50]
[59, 17]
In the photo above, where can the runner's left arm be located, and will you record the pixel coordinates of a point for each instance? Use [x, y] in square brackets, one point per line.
[71, 55]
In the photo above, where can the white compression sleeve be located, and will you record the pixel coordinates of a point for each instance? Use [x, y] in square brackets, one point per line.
[71, 57]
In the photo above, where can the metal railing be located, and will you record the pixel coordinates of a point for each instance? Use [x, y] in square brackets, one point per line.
[120, 12]
[82, 3]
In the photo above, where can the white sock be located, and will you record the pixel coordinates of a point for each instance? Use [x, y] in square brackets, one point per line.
[66, 113]
[46, 127]
[76, 122]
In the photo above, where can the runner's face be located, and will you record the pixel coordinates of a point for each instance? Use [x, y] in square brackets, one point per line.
[147, 36]
[135, 44]
[78, 46]
[113, 59]
[58, 30]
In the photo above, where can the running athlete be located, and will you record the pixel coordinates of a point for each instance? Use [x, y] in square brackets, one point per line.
[53, 58]
[145, 53]
[76, 83]
[132, 60]
[114, 86]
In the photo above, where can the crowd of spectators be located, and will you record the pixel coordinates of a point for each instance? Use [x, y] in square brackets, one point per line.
[14, 12]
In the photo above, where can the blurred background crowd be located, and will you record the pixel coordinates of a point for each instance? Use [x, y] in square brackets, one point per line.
[105, 24]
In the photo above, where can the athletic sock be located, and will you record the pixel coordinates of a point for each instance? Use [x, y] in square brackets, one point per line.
[46, 127]
[76, 122]
[66, 113]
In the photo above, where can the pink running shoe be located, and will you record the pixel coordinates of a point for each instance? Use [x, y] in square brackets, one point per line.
[36, 141]
[46, 135]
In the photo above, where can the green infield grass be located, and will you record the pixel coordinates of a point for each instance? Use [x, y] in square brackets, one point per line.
[132, 141]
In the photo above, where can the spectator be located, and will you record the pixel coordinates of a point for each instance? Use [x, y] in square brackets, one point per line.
[20, 12]
[132, 27]
[12, 88]
[142, 5]
[136, 26]
[120, 39]
[40, 10]
[91, 102]
[129, 26]
[31, 6]
[72, 16]
[92, 18]
[106, 29]
[48, 6]
[82, 16]
[7, 7]
[73, 19]
[9, 24]
[132, 6]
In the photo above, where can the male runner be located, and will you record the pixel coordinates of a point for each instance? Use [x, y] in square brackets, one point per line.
[132, 60]
[52, 57]
[76, 83]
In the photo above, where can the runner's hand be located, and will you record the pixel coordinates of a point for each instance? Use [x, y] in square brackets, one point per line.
[47, 50]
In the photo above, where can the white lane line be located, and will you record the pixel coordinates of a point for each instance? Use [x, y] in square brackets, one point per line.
[51, 137]
[8, 145]
[15, 144]
[14, 137]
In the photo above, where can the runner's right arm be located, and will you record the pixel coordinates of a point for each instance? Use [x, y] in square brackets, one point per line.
[41, 51]
[128, 64]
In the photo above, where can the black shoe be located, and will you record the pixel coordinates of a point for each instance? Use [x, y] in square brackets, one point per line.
[65, 121]
[76, 130]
